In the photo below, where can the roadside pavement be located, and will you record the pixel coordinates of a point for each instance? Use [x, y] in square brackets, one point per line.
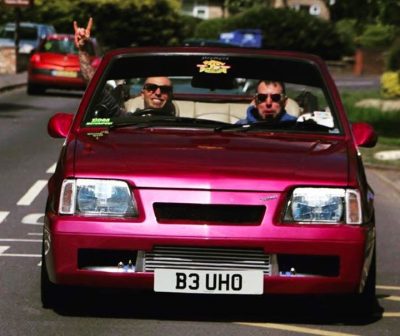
[12, 81]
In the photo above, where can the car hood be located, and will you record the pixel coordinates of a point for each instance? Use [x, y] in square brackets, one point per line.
[219, 161]
[4, 42]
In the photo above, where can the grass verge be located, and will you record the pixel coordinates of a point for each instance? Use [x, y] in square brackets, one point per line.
[386, 124]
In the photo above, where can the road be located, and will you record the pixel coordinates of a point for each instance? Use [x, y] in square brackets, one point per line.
[28, 156]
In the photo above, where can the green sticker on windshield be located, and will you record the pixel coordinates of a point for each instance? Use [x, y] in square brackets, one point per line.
[99, 122]
[48, 45]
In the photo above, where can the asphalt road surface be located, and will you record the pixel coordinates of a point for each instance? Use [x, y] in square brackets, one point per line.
[28, 156]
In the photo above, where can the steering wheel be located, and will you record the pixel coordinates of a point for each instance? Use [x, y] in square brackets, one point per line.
[150, 112]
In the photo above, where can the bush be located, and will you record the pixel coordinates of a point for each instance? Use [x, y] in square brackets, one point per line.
[189, 25]
[393, 57]
[390, 84]
[282, 29]
[377, 36]
[347, 30]
[117, 23]
[210, 29]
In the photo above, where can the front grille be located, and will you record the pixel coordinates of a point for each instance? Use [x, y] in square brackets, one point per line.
[209, 213]
[199, 258]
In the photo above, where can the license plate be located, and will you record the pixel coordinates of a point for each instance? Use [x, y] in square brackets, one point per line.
[63, 73]
[208, 282]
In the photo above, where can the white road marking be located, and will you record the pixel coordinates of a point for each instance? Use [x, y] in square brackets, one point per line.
[20, 255]
[393, 298]
[21, 240]
[52, 168]
[33, 219]
[388, 287]
[391, 314]
[3, 249]
[302, 330]
[32, 193]
[3, 215]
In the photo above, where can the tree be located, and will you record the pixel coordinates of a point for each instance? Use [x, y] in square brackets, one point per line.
[282, 29]
[236, 6]
[117, 23]
[362, 10]
[389, 12]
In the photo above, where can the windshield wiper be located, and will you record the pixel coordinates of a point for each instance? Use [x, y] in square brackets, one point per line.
[270, 125]
[312, 126]
[140, 122]
[159, 120]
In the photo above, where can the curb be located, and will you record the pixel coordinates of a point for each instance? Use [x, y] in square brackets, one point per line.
[11, 87]
[381, 167]
[13, 81]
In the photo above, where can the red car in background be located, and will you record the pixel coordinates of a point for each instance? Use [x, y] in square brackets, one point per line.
[55, 64]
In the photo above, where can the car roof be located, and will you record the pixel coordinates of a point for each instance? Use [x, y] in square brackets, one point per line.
[181, 50]
[60, 36]
[26, 24]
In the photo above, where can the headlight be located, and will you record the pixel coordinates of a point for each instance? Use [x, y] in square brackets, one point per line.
[90, 197]
[324, 206]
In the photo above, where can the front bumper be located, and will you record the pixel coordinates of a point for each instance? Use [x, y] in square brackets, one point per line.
[47, 78]
[301, 260]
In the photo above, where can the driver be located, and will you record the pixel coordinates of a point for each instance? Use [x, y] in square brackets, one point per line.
[156, 91]
[269, 104]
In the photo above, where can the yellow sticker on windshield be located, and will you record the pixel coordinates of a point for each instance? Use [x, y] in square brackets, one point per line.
[213, 66]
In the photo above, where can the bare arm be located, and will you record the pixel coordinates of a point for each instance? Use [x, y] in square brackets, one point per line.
[82, 36]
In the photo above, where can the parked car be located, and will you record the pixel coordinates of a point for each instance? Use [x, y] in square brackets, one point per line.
[184, 199]
[30, 35]
[55, 64]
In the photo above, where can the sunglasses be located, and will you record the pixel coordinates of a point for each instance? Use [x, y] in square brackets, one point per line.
[164, 89]
[275, 97]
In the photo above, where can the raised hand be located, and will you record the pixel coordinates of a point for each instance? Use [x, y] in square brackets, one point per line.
[82, 34]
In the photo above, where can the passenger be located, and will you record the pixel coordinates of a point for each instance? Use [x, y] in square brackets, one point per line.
[156, 91]
[269, 104]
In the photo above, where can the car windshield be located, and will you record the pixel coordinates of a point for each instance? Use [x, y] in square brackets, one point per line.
[63, 46]
[7, 34]
[28, 33]
[215, 91]
[25, 33]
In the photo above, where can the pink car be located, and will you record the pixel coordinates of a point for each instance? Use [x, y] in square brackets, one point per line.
[196, 197]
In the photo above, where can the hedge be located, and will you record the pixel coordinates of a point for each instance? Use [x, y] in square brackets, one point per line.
[282, 29]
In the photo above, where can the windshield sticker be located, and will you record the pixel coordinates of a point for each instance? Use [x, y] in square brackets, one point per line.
[98, 135]
[213, 67]
[100, 122]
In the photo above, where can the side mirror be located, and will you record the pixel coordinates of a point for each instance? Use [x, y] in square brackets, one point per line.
[364, 134]
[59, 125]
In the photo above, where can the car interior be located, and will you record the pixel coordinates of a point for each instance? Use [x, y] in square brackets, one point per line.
[219, 92]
